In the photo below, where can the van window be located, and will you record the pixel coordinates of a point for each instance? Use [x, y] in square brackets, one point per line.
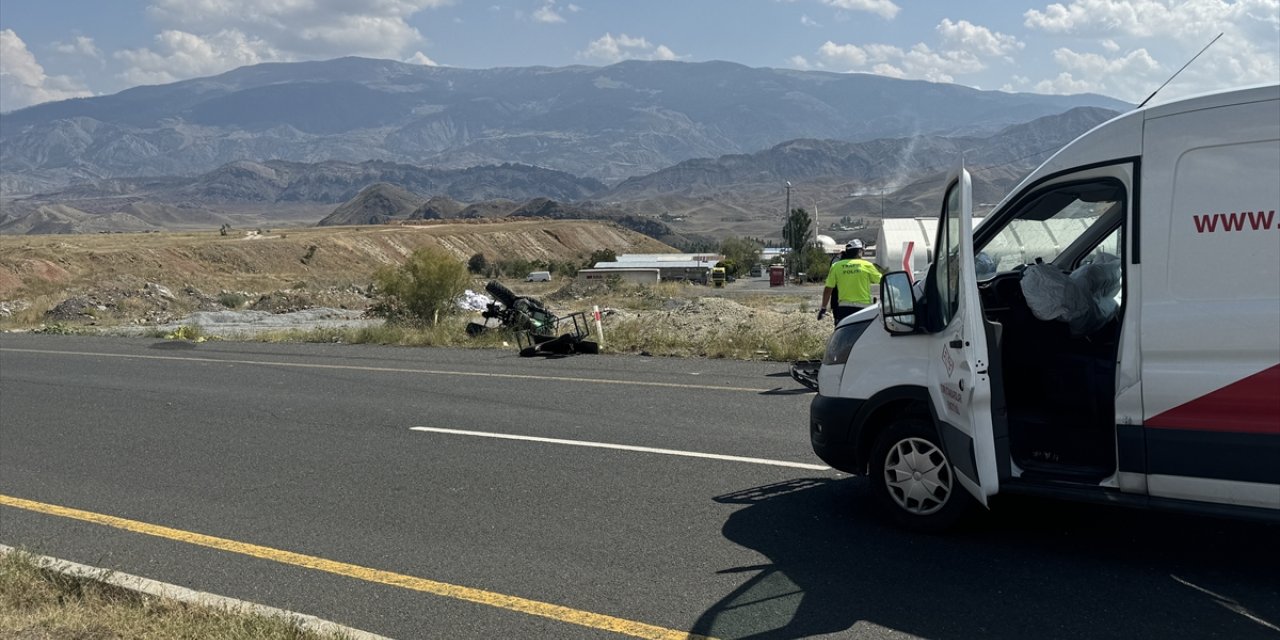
[1050, 222]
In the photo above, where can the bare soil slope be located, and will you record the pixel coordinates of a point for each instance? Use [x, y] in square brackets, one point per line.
[43, 265]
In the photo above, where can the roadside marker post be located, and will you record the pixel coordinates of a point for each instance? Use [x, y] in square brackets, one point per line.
[908, 248]
[595, 313]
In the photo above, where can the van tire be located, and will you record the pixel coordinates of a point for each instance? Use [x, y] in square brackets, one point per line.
[925, 494]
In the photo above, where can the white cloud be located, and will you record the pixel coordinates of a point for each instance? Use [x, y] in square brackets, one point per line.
[1065, 83]
[179, 54]
[808, 22]
[1018, 83]
[920, 61]
[799, 62]
[81, 45]
[661, 52]
[422, 59]
[884, 8]
[547, 13]
[1126, 75]
[981, 40]
[210, 36]
[1145, 18]
[607, 49]
[964, 49]
[23, 81]
[1248, 53]
[845, 56]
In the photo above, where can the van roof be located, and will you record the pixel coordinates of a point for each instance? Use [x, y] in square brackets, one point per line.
[1121, 136]
[1213, 99]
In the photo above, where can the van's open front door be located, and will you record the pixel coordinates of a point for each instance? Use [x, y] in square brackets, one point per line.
[959, 378]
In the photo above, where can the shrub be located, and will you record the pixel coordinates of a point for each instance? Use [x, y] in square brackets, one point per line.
[815, 263]
[478, 264]
[739, 255]
[422, 289]
[231, 299]
[601, 255]
[514, 268]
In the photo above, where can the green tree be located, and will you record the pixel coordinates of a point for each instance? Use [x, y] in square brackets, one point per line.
[798, 229]
[741, 253]
[601, 255]
[478, 263]
[816, 263]
[796, 234]
[422, 289]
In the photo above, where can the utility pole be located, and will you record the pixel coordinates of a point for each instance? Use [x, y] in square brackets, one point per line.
[788, 212]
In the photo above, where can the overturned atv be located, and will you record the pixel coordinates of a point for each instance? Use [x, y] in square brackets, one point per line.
[538, 331]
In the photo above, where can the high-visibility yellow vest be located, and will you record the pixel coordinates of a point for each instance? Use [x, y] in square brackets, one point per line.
[852, 280]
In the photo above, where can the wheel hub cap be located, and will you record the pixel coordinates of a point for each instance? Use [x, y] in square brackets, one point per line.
[918, 476]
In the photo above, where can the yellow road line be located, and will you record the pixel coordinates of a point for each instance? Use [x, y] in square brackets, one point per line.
[478, 596]
[439, 372]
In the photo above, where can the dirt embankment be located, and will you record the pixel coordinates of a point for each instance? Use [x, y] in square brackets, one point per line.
[333, 256]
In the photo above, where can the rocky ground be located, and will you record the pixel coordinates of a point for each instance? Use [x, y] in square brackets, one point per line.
[668, 319]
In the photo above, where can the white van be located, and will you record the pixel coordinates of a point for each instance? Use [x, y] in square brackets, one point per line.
[538, 276]
[1111, 332]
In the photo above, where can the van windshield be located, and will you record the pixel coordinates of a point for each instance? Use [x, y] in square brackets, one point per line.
[1046, 225]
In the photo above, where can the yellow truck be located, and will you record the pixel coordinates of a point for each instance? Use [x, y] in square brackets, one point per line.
[717, 277]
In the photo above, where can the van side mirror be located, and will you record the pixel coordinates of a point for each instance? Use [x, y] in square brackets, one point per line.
[897, 303]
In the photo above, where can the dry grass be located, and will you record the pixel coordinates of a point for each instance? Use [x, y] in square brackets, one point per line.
[634, 334]
[38, 604]
[449, 332]
[212, 262]
[640, 335]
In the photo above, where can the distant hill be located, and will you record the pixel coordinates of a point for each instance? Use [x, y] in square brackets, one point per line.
[885, 163]
[743, 194]
[376, 204]
[437, 208]
[607, 123]
[274, 192]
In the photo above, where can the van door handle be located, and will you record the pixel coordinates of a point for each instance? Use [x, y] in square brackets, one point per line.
[956, 344]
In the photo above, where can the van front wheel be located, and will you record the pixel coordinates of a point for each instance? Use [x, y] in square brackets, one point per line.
[913, 478]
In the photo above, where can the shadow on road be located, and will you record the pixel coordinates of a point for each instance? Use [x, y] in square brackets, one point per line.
[1031, 569]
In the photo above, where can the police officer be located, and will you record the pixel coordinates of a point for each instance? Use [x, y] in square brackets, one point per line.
[851, 277]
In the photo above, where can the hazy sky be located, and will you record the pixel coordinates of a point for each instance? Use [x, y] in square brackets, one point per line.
[56, 49]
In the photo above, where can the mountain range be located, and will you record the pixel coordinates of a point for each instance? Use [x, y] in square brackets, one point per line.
[604, 123]
[733, 194]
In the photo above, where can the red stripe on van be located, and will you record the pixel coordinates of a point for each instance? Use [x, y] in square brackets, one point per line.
[1249, 405]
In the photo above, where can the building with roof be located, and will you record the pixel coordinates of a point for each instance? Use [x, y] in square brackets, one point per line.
[690, 270]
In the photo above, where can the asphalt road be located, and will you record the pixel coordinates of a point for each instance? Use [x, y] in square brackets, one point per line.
[311, 450]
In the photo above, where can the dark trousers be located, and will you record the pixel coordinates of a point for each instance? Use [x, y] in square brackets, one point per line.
[840, 312]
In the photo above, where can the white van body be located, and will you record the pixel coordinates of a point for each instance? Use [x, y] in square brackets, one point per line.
[538, 276]
[1164, 388]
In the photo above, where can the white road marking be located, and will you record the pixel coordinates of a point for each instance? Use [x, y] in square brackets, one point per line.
[1227, 603]
[626, 447]
[438, 372]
